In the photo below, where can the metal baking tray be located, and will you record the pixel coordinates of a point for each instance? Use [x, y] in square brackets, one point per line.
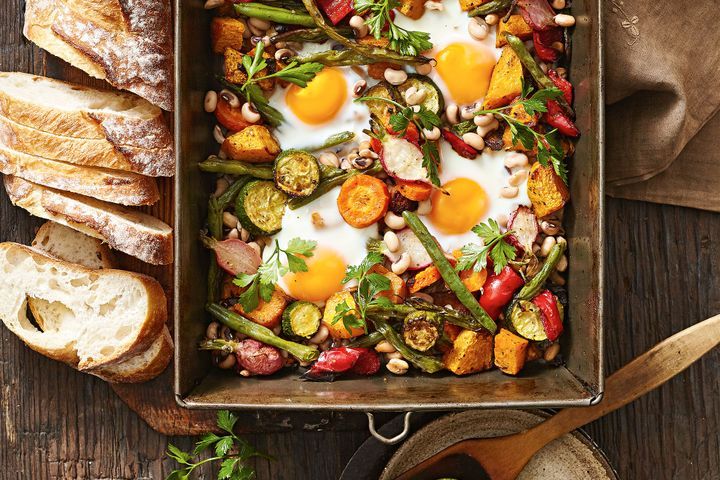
[579, 383]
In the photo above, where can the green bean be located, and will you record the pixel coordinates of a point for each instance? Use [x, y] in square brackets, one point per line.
[332, 141]
[367, 341]
[399, 312]
[533, 287]
[262, 334]
[426, 363]
[235, 167]
[286, 16]
[328, 184]
[532, 66]
[374, 54]
[311, 35]
[448, 272]
[490, 7]
[335, 58]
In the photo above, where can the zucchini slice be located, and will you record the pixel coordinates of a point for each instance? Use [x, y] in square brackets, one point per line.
[260, 207]
[382, 111]
[526, 320]
[433, 97]
[420, 331]
[297, 173]
[301, 319]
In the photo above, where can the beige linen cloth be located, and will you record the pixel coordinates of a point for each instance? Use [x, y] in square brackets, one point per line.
[663, 101]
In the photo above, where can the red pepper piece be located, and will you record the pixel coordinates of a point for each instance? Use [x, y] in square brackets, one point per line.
[368, 363]
[457, 144]
[552, 323]
[542, 41]
[376, 145]
[499, 290]
[563, 84]
[557, 118]
[336, 10]
[412, 134]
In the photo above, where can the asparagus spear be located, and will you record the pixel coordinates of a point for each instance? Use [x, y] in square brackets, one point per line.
[235, 167]
[286, 16]
[426, 363]
[312, 35]
[532, 66]
[257, 332]
[332, 141]
[335, 58]
[490, 7]
[447, 271]
[328, 184]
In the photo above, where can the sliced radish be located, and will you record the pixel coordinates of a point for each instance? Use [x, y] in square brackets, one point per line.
[403, 160]
[233, 255]
[409, 243]
[524, 225]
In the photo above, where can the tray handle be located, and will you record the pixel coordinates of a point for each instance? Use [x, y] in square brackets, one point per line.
[389, 441]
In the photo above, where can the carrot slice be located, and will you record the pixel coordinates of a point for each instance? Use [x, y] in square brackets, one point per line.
[417, 191]
[229, 117]
[363, 200]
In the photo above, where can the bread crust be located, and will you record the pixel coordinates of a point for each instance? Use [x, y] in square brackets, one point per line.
[126, 42]
[152, 324]
[123, 373]
[134, 233]
[121, 118]
[87, 152]
[113, 186]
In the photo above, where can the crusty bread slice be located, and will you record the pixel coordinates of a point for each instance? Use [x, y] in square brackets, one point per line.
[72, 110]
[84, 151]
[99, 317]
[127, 43]
[125, 188]
[129, 231]
[72, 246]
[69, 245]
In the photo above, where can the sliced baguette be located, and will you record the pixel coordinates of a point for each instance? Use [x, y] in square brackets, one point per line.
[132, 232]
[86, 152]
[99, 317]
[72, 246]
[66, 244]
[126, 43]
[71, 110]
[125, 188]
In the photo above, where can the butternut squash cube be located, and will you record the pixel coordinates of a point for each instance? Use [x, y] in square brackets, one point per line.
[226, 32]
[253, 144]
[471, 353]
[510, 352]
[506, 80]
[516, 25]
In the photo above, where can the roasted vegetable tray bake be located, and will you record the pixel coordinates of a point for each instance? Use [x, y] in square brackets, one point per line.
[517, 325]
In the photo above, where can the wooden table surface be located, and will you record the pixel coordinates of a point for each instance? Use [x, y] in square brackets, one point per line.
[663, 274]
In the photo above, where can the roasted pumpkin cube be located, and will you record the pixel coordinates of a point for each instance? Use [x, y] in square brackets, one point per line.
[510, 352]
[470, 4]
[234, 72]
[506, 80]
[472, 280]
[337, 328]
[471, 353]
[424, 278]
[412, 8]
[519, 113]
[377, 70]
[546, 190]
[253, 144]
[516, 25]
[226, 32]
[517, 146]
[267, 314]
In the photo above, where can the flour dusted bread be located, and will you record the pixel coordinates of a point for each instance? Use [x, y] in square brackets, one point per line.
[99, 317]
[129, 231]
[84, 151]
[126, 42]
[71, 246]
[125, 188]
[72, 110]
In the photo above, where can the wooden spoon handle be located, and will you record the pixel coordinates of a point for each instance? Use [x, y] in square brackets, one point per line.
[644, 373]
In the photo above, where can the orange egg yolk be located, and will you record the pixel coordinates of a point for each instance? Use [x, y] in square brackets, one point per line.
[326, 270]
[321, 99]
[466, 70]
[461, 208]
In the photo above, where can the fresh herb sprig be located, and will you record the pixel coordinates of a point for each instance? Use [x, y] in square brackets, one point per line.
[262, 283]
[297, 73]
[424, 120]
[231, 450]
[406, 42]
[549, 147]
[494, 246]
[369, 285]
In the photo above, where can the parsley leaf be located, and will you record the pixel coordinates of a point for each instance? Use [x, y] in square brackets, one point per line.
[261, 285]
[370, 284]
[494, 245]
[406, 42]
